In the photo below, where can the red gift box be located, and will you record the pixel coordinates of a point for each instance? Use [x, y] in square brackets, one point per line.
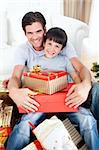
[45, 81]
[53, 103]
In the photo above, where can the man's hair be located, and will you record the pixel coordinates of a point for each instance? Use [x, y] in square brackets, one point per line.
[31, 17]
[58, 35]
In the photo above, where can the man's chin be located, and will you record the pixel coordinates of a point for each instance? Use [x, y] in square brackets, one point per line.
[38, 48]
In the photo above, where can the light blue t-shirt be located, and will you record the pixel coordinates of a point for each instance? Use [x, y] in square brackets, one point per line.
[56, 63]
[26, 55]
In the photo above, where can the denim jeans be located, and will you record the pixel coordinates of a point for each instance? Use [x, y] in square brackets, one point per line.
[21, 134]
[95, 101]
[87, 126]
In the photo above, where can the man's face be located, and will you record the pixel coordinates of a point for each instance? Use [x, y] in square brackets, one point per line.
[52, 48]
[35, 35]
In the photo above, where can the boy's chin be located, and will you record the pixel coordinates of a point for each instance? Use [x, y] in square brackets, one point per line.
[50, 56]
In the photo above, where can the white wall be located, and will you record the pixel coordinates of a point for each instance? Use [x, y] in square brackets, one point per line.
[94, 28]
[91, 44]
[15, 9]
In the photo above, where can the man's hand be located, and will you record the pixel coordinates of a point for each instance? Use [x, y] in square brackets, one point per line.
[77, 95]
[5, 83]
[24, 98]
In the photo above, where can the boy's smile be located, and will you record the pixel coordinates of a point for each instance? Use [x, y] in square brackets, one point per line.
[52, 48]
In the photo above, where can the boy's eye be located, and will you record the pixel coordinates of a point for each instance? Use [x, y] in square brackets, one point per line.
[49, 43]
[57, 46]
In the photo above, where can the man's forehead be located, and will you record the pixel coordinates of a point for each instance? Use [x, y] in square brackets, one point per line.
[35, 26]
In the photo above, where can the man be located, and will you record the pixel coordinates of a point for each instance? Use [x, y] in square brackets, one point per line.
[33, 25]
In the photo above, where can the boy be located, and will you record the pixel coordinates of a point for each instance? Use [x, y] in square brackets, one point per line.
[54, 41]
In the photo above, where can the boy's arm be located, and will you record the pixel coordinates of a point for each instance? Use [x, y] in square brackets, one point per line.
[21, 96]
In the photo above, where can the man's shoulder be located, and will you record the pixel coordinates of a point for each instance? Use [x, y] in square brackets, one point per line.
[23, 45]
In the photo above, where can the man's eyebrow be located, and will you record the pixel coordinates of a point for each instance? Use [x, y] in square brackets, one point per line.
[29, 32]
[39, 30]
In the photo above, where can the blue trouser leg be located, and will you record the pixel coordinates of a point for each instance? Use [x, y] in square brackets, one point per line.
[20, 135]
[87, 125]
[95, 101]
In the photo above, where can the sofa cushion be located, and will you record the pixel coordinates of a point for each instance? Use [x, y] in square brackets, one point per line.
[3, 29]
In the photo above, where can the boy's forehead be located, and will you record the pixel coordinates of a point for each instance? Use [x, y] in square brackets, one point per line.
[52, 41]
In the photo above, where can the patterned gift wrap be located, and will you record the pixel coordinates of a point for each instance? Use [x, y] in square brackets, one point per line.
[5, 115]
[45, 81]
[5, 120]
[4, 133]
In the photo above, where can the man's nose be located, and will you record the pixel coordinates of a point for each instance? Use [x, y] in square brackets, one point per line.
[34, 36]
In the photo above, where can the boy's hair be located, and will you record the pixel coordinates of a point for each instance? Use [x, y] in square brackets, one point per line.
[58, 35]
[31, 17]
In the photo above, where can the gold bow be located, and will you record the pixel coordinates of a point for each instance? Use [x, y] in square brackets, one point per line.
[36, 69]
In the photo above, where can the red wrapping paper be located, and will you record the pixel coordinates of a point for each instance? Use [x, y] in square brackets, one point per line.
[53, 103]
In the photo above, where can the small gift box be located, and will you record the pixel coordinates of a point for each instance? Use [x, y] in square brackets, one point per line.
[45, 81]
[53, 103]
[5, 115]
[4, 133]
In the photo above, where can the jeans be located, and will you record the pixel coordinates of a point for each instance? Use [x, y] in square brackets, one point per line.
[95, 101]
[22, 131]
[21, 134]
[87, 126]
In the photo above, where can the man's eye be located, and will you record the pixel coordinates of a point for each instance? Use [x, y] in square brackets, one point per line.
[29, 33]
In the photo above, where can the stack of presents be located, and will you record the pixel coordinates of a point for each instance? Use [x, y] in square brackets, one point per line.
[51, 87]
[5, 122]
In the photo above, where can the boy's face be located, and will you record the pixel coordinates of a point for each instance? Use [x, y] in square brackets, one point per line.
[52, 48]
[35, 35]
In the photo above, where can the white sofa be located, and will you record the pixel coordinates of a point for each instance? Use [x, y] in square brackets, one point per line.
[12, 34]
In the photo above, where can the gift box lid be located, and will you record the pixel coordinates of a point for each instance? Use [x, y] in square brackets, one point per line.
[45, 74]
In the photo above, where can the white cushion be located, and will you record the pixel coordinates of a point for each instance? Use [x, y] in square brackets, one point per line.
[75, 29]
[3, 29]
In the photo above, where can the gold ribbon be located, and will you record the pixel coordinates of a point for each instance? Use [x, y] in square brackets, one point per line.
[36, 69]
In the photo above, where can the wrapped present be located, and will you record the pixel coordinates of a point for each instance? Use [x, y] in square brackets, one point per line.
[5, 115]
[45, 81]
[53, 103]
[4, 133]
[51, 134]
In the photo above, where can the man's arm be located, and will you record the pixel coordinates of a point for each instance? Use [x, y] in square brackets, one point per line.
[82, 71]
[79, 92]
[23, 97]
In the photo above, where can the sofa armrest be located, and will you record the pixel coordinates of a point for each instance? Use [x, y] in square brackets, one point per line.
[6, 62]
[75, 29]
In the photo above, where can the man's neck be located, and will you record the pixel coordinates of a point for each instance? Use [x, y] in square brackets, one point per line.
[39, 49]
